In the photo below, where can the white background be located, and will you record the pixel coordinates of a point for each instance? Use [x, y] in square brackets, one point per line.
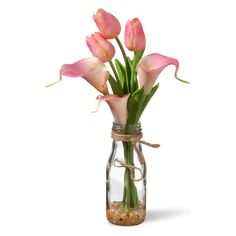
[53, 150]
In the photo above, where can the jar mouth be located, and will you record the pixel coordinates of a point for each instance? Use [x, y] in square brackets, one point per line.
[127, 129]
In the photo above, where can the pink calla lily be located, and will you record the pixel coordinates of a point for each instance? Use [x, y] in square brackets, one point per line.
[151, 66]
[118, 106]
[91, 69]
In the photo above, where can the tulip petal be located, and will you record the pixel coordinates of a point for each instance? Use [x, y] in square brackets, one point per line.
[108, 24]
[91, 69]
[151, 66]
[118, 106]
[134, 35]
[100, 47]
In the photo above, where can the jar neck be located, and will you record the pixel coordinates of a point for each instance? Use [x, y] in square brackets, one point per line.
[127, 129]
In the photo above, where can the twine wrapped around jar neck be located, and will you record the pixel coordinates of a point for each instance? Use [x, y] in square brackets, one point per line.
[134, 139]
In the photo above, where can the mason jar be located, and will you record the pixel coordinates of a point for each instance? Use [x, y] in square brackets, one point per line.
[126, 177]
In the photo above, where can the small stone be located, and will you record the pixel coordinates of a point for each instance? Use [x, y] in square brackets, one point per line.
[116, 214]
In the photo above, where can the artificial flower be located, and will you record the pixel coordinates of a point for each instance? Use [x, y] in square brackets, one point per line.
[151, 66]
[107, 24]
[100, 47]
[118, 106]
[134, 35]
[91, 69]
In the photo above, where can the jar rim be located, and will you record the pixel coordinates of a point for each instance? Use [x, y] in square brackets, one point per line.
[127, 129]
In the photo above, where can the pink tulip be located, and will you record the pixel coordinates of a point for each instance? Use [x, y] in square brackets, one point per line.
[91, 69]
[134, 36]
[107, 24]
[118, 106]
[151, 66]
[100, 47]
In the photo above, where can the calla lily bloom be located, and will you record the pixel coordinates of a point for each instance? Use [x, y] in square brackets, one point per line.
[151, 66]
[100, 47]
[107, 24]
[118, 106]
[91, 69]
[134, 36]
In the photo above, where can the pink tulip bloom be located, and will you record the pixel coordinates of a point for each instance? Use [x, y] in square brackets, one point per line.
[134, 36]
[91, 69]
[100, 47]
[151, 66]
[107, 24]
[118, 106]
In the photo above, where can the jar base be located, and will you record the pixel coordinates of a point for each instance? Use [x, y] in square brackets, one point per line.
[118, 215]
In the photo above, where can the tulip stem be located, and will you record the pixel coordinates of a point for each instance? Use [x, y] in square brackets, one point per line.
[114, 70]
[130, 195]
[133, 81]
[121, 48]
[126, 64]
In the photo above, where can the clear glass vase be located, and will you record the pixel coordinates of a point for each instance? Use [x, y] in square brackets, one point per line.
[126, 179]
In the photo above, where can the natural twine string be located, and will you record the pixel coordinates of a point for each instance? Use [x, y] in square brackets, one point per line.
[134, 139]
[131, 167]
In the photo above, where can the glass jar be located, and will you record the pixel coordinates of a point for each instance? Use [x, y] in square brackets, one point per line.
[126, 177]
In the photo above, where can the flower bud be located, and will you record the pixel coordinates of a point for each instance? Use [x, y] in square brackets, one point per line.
[134, 36]
[107, 24]
[100, 47]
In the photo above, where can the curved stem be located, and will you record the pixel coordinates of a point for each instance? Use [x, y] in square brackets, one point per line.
[121, 48]
[126, 62]
[54, 82]
[114, 70]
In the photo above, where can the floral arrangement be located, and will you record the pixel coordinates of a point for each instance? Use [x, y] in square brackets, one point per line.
[129, 86]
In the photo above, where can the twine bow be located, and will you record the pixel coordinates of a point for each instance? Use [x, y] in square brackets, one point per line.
[131, 167]
[134, 139]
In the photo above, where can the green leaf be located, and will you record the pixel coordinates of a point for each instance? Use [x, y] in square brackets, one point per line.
[137, 56]
[121, 71]
[137, 103]
[133, 106]
[133, 80]
[148, 97]
[130, 63]
[116, 87]
[128, 75]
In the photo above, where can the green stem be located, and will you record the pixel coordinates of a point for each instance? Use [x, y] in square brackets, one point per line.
[133, 80]
[132, 77]
[126, 63]
[114, 70]
[121, 48]
[130, 195]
